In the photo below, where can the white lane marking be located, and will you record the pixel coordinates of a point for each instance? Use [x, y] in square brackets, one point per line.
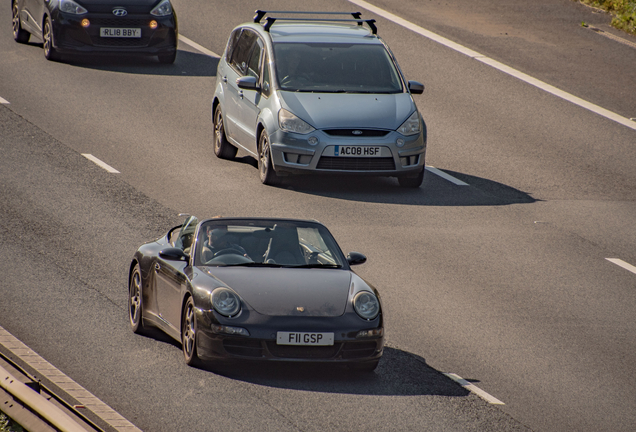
[497, 65]
[3, 101]
[474, 389]
[195, 45]
[86, 399]
[99, 163]
[621, 263]
[445, 176]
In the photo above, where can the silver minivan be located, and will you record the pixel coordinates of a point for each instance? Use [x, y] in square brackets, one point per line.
[317, 95]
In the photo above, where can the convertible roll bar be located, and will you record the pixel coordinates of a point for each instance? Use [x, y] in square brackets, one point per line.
[260, 14]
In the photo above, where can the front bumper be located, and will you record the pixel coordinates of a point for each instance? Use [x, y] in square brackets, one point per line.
[261, 344]
[292, 153]
[71, 37]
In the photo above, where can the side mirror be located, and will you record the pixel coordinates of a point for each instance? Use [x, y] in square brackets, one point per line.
[247, 83]
[416, 87]
[355, 258]
[174, 254]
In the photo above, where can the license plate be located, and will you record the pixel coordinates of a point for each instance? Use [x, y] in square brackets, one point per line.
[120, 32]
[357, 151]
[304, 338]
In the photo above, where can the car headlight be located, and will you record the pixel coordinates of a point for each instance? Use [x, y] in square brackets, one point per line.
[225, 302]
[411, 126]
[288, 122]
[162, 9]
[69, 6]
[366, 305]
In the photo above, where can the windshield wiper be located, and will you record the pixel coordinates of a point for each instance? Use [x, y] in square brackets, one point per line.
[247, 264]
[314, 266]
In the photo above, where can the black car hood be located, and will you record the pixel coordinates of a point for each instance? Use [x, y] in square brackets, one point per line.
[131, 6]
[285, 291]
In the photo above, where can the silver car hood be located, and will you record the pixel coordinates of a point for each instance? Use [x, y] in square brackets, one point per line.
[281, 292]
[350, 110]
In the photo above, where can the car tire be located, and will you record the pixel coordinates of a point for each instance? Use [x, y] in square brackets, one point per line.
[19, 34]
[412, 182]
[189, 334]
[364, 367]
[167, 58]
[47, 36]
[136, 302]
[265, 166]
[222, 147]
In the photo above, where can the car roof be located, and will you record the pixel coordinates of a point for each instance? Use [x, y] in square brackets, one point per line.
[263, 219]
[291, 31]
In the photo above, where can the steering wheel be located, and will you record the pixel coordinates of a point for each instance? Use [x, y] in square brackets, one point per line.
[228, 251]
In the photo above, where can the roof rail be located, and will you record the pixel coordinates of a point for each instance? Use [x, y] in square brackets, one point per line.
[260, 14]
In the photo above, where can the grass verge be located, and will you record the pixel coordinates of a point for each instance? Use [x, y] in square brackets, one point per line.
[623, 12]
[8, 425]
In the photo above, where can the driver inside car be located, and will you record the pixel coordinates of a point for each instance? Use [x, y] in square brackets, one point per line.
[218, 243]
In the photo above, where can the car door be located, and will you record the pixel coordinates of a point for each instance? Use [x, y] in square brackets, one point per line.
[234, 103]
[251, 100]
[170, 279]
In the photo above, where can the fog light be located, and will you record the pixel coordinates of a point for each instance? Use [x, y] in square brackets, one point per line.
[399, 142]
[370, 333]
[85, 22]
[312, 140]
[229, 330]
[153, 24]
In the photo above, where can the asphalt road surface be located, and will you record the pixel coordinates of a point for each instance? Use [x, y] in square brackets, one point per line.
[504, 281]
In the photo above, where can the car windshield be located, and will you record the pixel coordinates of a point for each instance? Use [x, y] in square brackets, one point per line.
[266, 243]
[335, 68]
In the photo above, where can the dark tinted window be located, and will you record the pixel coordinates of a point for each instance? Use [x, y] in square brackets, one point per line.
[267, 80]
[254, 65]
[231, 44]
[241, 52]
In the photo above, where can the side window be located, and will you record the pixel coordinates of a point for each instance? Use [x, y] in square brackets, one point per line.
[267, 80]
[254, 65]
[231, 44]
[186, 234]
[240, 53]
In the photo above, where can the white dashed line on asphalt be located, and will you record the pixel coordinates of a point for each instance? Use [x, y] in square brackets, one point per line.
[45, 369]
[99, 163]
[445, 176]
[474, 389]
[495, 64]
[3, 101]
[621, 263]
[196, 46]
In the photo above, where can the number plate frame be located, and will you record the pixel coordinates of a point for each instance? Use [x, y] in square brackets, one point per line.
[305, 338]
[118, 32]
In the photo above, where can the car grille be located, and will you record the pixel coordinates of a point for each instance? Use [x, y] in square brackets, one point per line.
[302, 352]
[353, 350]
[349, 132]
[119, 22]
[355, 164]
[243, 347]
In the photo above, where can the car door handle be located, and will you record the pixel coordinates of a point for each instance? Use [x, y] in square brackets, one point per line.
[240, 94]
[157, 266]
[224, 79]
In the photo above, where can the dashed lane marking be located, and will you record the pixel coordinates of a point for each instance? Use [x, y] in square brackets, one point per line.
[621, 263]
[445, 176]
[99, 163]
[3, 101]
[474, 389]
[497, 65]
[195, 45]
[45, 369]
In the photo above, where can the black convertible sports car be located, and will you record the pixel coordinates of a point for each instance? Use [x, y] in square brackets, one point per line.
[255, 288]
[139, 27]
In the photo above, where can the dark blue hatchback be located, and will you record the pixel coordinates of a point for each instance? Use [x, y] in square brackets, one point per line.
[129, 27]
